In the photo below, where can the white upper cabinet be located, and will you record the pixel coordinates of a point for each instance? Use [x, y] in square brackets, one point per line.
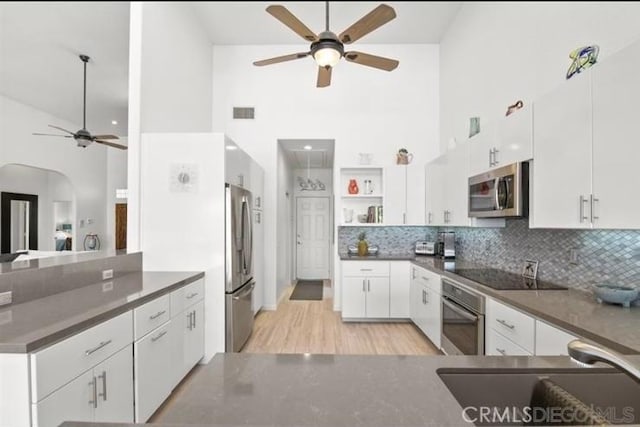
[404, 195]
[562, 156]
[616, 149]
[456, 183]
[415, 194]
[434, 191]
[481, 148]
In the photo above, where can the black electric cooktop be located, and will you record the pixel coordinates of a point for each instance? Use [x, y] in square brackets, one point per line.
[505, 281]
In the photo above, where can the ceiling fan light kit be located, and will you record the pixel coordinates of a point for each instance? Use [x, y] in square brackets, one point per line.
[327, 48]
[83, 137]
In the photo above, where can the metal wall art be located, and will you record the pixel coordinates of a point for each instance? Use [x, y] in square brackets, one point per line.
[583, 58]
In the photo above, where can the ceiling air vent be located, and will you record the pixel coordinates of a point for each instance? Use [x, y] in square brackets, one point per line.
[244, 113]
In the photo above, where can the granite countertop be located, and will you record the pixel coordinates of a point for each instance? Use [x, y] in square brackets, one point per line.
[573, 309]
[35, 324]
[237, 389]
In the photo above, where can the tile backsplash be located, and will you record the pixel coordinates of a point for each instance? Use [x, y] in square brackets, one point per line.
[603, 256]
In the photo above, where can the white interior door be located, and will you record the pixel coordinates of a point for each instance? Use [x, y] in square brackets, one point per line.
[312, 237]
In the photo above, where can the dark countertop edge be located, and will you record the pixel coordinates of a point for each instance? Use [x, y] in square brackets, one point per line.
[502, 297]
[93, 321]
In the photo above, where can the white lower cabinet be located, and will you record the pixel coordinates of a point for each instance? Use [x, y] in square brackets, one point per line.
[551, 341]
[103, 394]
[498, 345]
[426, 309]
[155, 372]
[365, 289]
[399, 282]
[189, 325]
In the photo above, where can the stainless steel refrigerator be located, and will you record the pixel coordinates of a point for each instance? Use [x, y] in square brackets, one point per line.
[238, 267]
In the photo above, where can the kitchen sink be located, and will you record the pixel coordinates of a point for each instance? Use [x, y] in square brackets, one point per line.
[544, 396]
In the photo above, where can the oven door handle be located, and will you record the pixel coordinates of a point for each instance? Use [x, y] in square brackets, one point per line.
[460, 311]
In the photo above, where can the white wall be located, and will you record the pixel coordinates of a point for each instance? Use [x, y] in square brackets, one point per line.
[116, 178]
[496, 53]
[184, 231]
[169, 83]
[284, 229]
[84, 167]
[48, 186]
[364, 110]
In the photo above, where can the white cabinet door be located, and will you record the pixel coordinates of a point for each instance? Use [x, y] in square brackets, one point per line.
[551, 341]
[114, 385]
[480, 146]
[562, 156]
[399, 284]
[415, 194]
[377, 297]
[432, 320]
[415, 297]
[154, 369]
[514, 138]
[257, 185]
[395, 195]
[456, 184]
[616, 90]
[194, 338]
[422, 308]
[434, 191]
[74, 401]
[258, 260]
[354, 297]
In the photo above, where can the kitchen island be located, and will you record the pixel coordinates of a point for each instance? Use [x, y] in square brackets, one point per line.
[329, 390]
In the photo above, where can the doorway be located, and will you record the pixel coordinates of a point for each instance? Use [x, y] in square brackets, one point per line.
[121, 226]
[19, 222]
[313, 237]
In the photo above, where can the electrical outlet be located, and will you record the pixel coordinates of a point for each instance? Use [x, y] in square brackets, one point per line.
[573, 256]
[107, 274]
[6, 298]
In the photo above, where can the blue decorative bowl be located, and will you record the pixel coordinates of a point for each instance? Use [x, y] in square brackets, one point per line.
[615, 294]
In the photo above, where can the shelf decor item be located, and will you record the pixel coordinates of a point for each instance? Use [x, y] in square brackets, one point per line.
[515, 107]
[615, 294]
[363, 246]
[583, 58]
[353, 187]
[403, 157]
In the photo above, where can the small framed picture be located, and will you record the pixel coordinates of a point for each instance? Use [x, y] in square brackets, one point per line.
[530, 270]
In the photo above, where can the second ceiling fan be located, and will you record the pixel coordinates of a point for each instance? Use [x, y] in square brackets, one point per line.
[327, 48]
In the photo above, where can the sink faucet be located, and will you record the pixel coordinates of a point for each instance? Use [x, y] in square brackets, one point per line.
[590, 353]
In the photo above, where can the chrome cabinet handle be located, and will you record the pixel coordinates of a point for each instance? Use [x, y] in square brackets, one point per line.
[490, 157]
[195, 294]
[425, 278]
[158, 314]
[495, 157]
[426, 296]
[501, 351]
[98, 347]
[404, 218]
[413, 273]
[94, 394]
[160, 335]
[429, 218]
[423, 297]
[190, 324]
[593, 208]
[583, 202]
[366, 269]
[504, 323]
[103, 376]
[194, 319]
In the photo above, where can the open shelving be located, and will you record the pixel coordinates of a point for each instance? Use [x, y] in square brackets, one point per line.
[360, 203]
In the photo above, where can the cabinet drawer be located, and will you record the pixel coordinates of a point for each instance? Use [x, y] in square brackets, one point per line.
[498, 345]
[428, 278]
[551, 341]
[55, 366]
[186, 296]
[365, 268]
[149, 316]
[511, 323]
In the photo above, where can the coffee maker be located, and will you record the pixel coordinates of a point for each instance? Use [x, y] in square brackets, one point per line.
[446, 244]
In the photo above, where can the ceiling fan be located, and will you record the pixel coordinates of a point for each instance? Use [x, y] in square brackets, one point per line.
[83, 137]
[327, 48]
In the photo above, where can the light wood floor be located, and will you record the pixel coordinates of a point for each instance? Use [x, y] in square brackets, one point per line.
[313, 327]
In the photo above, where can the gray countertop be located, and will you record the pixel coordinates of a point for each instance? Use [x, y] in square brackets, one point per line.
[35, 324]
[574, 310]
[326, 390]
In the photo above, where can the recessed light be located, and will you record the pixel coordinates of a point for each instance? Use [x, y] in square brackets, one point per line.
[231, 147]
[308, 147]
[114, 122]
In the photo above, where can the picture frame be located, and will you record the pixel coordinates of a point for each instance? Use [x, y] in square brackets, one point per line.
[530, 269]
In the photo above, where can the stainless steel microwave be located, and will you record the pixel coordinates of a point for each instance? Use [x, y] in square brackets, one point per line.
[500, 193]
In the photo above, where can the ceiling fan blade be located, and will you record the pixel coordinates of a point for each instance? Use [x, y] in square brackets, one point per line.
[281, 59]
[324, 76]
[368, 23]
[62, 129]
[111, 144]
[371, 60]
[51, 134]
[104, 137]
[283, 15]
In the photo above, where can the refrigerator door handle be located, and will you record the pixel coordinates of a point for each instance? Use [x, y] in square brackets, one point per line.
[247, 235]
